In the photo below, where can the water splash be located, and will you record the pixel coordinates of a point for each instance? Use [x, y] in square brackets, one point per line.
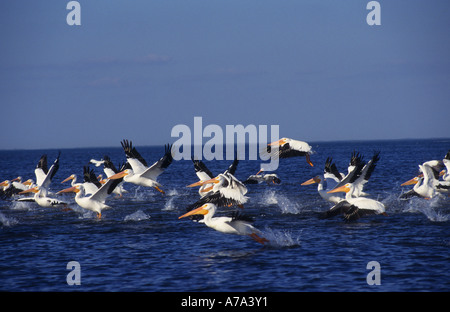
[280, 238]
[169, 205]
[137, 216]
[172, 192]
[431, 208]
[22, 205]
[7, 221]
[283, 202]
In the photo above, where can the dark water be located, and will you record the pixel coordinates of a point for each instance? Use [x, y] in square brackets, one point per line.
[140, 245]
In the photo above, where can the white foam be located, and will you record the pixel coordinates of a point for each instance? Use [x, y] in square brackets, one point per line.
[7, 221]
[280, 238]
[137, 216]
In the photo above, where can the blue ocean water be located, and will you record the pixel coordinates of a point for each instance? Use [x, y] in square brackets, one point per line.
[141, 245]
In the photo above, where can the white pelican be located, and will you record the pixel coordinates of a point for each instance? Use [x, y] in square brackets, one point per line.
[354, 208]
[359, 174]
[42, 199]
[10, 188]
[426, 182]
[110, 170]
[204, 174]
[261, 178]
[96, 201]
[141, 174]
[225, 189]
[327, 181]
[323, 188]
[90, 181]
[44, 175]
[236, 224]
[291, 148]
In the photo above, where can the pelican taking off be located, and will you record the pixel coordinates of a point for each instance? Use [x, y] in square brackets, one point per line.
[236, 224]
[96, 201]
[44, 175]
[291, 148]
[225, 190]
[141, 174]
[42, 199]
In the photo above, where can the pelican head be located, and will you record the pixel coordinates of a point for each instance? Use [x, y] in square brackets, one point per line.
[126, 172]
[74, 189]
[30, 190]
[280, 142]
[316, 179]
[71, 177]
[414, 180]
[202, 210]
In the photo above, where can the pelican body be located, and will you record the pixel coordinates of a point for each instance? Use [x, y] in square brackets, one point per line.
[354, 208]
[41, 199]
[140, 173]
[96, 201]
[229, 225]
[291, 148]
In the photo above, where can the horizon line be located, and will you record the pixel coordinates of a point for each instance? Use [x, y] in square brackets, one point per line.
[158, 145]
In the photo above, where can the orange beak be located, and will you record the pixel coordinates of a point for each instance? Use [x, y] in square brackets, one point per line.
[33, 189]
[67, 179]
[410, 182]
[70, 189]
[197, 211]
[343, 188]
[311, 181]
[118, 175]
[277, 143]
[199, 183]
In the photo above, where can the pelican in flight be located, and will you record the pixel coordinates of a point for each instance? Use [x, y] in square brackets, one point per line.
[425, 183]
[91, 183]
[140, 173]
[96, 201]
[354, 208]
[44, 175]
[225, 190]
[291, 148]
[236, 224]
[327, 181]
[9, 188]
[110, 170]
[261, 178]
[42, 199]
[359, 173]
[204, 174]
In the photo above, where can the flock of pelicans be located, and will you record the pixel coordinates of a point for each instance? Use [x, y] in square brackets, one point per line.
[225, 189]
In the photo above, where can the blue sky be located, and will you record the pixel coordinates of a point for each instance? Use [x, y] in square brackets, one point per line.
[135, 69]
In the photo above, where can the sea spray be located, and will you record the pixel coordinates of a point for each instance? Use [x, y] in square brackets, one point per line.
[431, 208]
[137, 216]
[169, 205]
[280, 238]
[283, 202]
[7, 221]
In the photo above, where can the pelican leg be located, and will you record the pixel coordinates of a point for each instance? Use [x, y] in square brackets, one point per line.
[259, 239]
[160, 190]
